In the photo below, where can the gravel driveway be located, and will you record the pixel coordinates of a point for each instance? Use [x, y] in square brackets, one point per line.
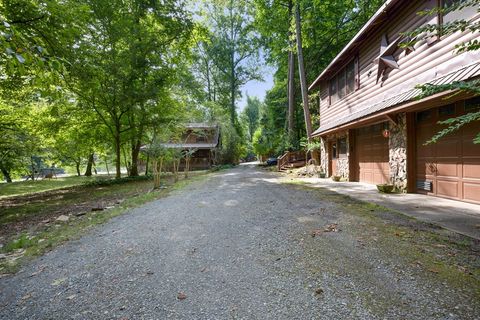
[234, 246]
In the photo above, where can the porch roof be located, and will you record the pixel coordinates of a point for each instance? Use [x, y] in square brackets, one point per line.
[189, 145]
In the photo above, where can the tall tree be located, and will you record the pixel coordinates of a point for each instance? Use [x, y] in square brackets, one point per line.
[234, 47]
[301, 70]
[250, 115]
[118, 63]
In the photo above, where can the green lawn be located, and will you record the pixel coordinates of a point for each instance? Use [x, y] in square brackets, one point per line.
[28, 223]
[25, 187]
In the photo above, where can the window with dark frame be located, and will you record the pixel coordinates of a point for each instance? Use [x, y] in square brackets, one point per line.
[342, 147]
[445, 111]
[334, 150]
[423, 115]
[344, 82]
[472, 105]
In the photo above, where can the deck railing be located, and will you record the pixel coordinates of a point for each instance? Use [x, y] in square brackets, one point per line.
[290, 157]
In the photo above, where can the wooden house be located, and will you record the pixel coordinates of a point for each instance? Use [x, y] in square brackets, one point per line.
[373, 129]
[203, 140]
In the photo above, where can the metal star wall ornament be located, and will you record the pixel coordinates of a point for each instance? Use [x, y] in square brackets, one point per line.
[386, 59]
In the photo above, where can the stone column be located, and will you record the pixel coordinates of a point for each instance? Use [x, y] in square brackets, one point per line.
[398, 153]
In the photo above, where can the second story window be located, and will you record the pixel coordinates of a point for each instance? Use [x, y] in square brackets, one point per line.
[344, 82]
[462, 13]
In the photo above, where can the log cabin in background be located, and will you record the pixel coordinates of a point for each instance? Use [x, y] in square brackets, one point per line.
[372, 127]
[203, 139]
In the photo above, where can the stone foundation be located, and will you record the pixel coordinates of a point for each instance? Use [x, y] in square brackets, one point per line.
[398, 153]
[397, 144]
[324, 156]
[342, 163]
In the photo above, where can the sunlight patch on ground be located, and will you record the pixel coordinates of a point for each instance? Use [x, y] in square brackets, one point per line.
[306, 219]
[231, 174]
[269, 180]
[231, 203]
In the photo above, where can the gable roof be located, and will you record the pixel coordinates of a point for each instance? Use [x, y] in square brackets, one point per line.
[197, 145]
[370, 25]
[200, 125]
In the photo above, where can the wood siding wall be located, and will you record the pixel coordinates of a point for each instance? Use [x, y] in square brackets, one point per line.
[427, 62]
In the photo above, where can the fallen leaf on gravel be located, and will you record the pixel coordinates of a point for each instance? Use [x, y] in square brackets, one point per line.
[318, 291]
[26, 297]
[38, 271]
[333, 227]
[71, 297]
[316, 232]
[181, 296]
[59, 281]
[433, 270]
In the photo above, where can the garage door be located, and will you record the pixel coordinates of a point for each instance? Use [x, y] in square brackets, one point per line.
[449, 168]
[372, 155]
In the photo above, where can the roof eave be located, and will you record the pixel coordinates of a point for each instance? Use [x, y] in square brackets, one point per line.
[388, 4]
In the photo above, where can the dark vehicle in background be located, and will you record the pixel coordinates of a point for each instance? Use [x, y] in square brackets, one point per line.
[271, 161]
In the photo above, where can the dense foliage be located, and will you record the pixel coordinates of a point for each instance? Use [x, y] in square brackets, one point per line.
[327, 26]
[87, 83]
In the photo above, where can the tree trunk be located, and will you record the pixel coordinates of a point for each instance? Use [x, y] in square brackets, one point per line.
[6, 174]
[88, 171]
[232, 88]
[146, 164]
[232, 67]
[157, 172]
[128, 165]
[135, 154]
[118, 154]
[106, 166]
[77, 166]
[33, 169]
[301, 69]
[291, 79]
[187, 167]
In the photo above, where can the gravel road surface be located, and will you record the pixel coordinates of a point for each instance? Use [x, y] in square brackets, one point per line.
[237, 245]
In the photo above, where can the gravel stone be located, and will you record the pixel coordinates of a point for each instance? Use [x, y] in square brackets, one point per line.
[239, 246]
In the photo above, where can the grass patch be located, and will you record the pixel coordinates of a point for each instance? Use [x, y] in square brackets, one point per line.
[28, 187]
[36, 241]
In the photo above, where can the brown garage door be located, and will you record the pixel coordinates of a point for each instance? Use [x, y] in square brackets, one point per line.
[372, 155]
[451, 167]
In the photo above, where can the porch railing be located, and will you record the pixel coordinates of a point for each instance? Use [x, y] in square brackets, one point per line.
[290, 157]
